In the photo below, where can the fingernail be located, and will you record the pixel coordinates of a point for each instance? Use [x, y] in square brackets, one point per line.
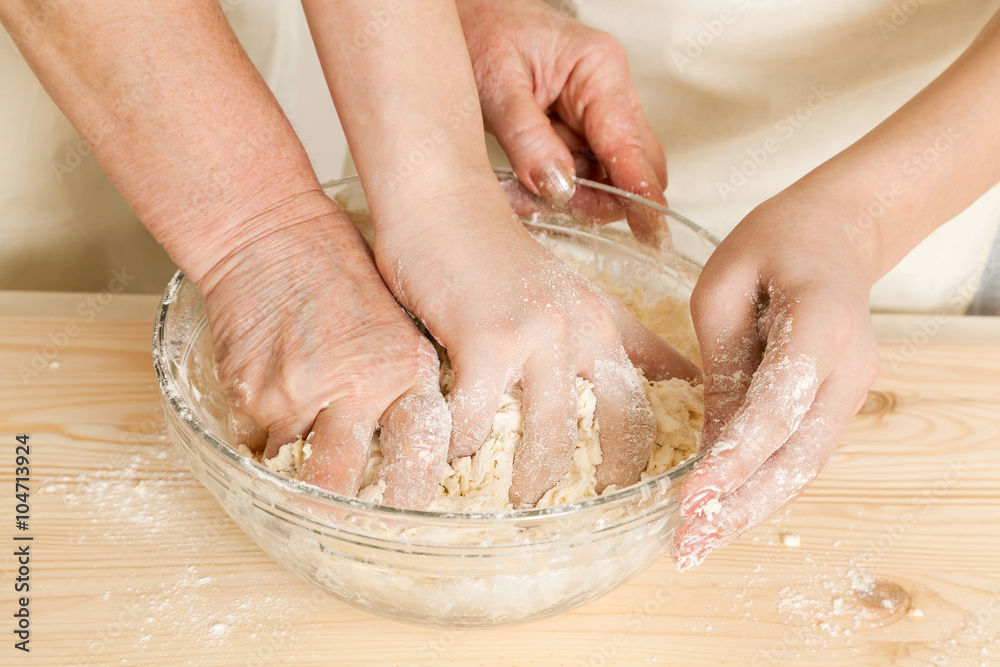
[554, 182]
[694, 503]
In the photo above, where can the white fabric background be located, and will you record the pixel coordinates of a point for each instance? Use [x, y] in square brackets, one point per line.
[716, 78]
[755, 62]
[68, 230]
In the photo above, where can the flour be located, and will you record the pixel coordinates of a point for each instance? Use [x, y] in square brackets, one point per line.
[711, 509]
[791, 540]
[481, 482]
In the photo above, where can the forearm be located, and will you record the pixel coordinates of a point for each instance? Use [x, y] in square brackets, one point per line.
[176, 115]
[925, 163]
[402, 82]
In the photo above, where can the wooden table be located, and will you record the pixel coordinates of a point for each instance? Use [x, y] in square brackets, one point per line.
[134, 562]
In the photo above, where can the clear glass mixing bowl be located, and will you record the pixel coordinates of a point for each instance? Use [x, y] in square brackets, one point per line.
[456, 570]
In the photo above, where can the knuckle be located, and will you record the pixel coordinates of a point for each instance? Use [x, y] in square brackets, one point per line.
[874, 368]
[265, 407]
[528, 138]
[871, 364]
[840, 333]
[633, 100]
[609, 48]
[707, 297]
[556, 327]
[600, 321]
[839, 326]
[425, 357]
[700, 303]
[618, 138]
[285, 423]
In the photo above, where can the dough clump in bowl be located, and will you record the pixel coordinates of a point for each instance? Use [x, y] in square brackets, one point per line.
[481, 482]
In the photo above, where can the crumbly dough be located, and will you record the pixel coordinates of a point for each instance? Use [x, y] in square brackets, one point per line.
[481, 482]
[289, 458]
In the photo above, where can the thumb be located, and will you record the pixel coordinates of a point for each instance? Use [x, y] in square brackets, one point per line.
[541, 160]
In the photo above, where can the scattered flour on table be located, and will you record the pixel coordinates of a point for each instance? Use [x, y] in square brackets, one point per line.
[481, 482]
[791, 540]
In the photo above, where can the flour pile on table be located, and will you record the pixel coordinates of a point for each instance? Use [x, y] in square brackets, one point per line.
[481, 482]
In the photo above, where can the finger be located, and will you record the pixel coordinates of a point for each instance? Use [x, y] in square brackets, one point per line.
[539, 157]
[626, 151]
[624, 420]
[590, 206]
[414, 443]
[473, 403]
[585, 162]
[285, 432]
[341, 444]
[243, 427]
[245, 430]
[776, 483]
[546, 449]
[647, 351]
[593, 207]
[724, 317]
[654, 149]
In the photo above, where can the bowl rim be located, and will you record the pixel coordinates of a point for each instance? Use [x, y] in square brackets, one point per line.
[169, 391]
[508, 174]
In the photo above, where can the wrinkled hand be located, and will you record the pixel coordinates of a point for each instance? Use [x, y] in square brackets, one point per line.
[559, 98]
[781, 312]
[308, 339]
[509, 312]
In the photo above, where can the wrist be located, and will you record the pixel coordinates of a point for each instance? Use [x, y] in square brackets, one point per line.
[207, 258]
[847, 220]
[446, 234]
[436, 204]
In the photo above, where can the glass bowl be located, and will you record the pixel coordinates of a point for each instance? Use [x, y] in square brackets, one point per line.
[454, 570]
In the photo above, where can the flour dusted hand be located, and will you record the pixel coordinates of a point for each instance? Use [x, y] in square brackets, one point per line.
[308, 339]
[781, 312]
[559, 97]
[510, 312]
[481, 482]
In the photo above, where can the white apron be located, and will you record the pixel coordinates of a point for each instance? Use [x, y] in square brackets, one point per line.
[63, 226]
[745, 96]
[749, 96]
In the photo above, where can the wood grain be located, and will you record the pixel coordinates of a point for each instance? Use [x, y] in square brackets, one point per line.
[133, 562]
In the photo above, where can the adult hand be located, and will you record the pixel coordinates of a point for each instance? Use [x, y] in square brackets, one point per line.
[308, 339]
[449, 247]
[559, 98]
[781, 312]
[508, 311]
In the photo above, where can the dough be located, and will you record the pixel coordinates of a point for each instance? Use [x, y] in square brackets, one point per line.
[481, 482]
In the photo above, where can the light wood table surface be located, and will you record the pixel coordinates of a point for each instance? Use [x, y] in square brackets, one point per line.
[133, 562]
